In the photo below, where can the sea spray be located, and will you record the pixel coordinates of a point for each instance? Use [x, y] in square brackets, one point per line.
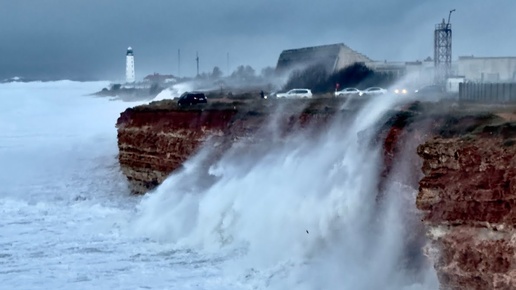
[302, 214]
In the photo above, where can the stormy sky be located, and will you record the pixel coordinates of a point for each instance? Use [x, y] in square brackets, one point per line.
[87, 39]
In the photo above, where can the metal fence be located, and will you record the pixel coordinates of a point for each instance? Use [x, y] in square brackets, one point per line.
[487, 92]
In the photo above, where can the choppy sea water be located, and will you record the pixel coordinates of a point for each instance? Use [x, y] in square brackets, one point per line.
[299, 215]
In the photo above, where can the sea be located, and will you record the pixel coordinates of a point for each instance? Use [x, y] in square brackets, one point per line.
[299, 212]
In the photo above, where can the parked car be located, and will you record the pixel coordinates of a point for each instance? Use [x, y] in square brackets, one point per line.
[373, 91]
[296, 93]
[192, 98]
[347, 92]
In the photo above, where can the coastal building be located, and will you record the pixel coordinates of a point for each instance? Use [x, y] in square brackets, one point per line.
[333, 57]
[488, 69]
[160, 79]
[417, 73]
[129, 66]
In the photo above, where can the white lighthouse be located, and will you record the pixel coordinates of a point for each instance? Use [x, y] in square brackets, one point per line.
[129, 66]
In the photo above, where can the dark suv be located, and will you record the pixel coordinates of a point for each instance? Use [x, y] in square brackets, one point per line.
[191, 98]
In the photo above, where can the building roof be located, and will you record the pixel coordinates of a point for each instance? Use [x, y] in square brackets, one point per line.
[326, 55]
[485, 57]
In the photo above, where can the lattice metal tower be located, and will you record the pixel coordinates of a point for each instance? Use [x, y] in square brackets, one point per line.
[443, 50]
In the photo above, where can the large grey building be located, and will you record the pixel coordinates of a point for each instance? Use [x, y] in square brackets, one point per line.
[487, 69]
[333, 56]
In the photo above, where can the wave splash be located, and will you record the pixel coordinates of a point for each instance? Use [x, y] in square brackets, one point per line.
[294, 213]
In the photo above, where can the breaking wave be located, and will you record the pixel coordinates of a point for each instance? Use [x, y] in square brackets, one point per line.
[298, 212]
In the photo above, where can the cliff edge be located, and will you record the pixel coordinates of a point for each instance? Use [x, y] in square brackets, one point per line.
[463, 164]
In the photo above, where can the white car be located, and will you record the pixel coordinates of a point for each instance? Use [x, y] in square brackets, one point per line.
[347, 92]
[373, 91]
[296, 93]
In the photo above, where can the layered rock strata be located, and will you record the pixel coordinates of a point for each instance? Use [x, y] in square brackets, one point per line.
[467, 185]
[154, 140]
[468, 198]
[152, 144]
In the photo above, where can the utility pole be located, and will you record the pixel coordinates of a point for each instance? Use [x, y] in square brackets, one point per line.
[227, 64]
[178, 63]
[197, 59]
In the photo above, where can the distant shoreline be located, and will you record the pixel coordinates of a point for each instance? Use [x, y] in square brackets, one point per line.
[129, 94]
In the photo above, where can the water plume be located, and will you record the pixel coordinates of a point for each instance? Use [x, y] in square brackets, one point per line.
[294, 212]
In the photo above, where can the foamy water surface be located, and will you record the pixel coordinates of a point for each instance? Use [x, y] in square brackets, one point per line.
[299, 215]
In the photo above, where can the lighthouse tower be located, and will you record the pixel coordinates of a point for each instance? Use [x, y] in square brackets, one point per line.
[129, 66]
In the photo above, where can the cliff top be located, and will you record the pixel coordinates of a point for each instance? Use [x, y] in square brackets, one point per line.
[315, 105]
[448, 118]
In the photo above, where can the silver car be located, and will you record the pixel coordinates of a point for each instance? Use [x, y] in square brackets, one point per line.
[296, 93]
[347, 92]
[373, 91]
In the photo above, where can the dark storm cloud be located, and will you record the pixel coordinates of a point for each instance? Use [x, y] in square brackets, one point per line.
[87, 39]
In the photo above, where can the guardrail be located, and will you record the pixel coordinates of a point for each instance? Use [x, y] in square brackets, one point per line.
[495, 93]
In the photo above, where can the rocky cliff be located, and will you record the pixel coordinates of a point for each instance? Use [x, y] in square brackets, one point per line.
[154, 140]
[468, 197]
[462, 161]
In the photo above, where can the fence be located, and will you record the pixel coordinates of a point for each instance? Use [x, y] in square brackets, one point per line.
[495, 93]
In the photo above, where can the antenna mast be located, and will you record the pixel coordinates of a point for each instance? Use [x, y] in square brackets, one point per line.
[443, 50]
[449, 15]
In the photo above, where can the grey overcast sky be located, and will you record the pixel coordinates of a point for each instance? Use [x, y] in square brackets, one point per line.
[87, 39]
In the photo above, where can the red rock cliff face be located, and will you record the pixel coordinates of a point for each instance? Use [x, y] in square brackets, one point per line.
[153, 142]
[468, 197]
[467, 186]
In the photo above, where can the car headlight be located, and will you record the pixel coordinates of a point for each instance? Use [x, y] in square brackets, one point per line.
[404, 91]
[396, 91]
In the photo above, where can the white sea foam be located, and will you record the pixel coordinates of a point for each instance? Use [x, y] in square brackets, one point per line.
[173, 92]
[69, 222]
[64, 204]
